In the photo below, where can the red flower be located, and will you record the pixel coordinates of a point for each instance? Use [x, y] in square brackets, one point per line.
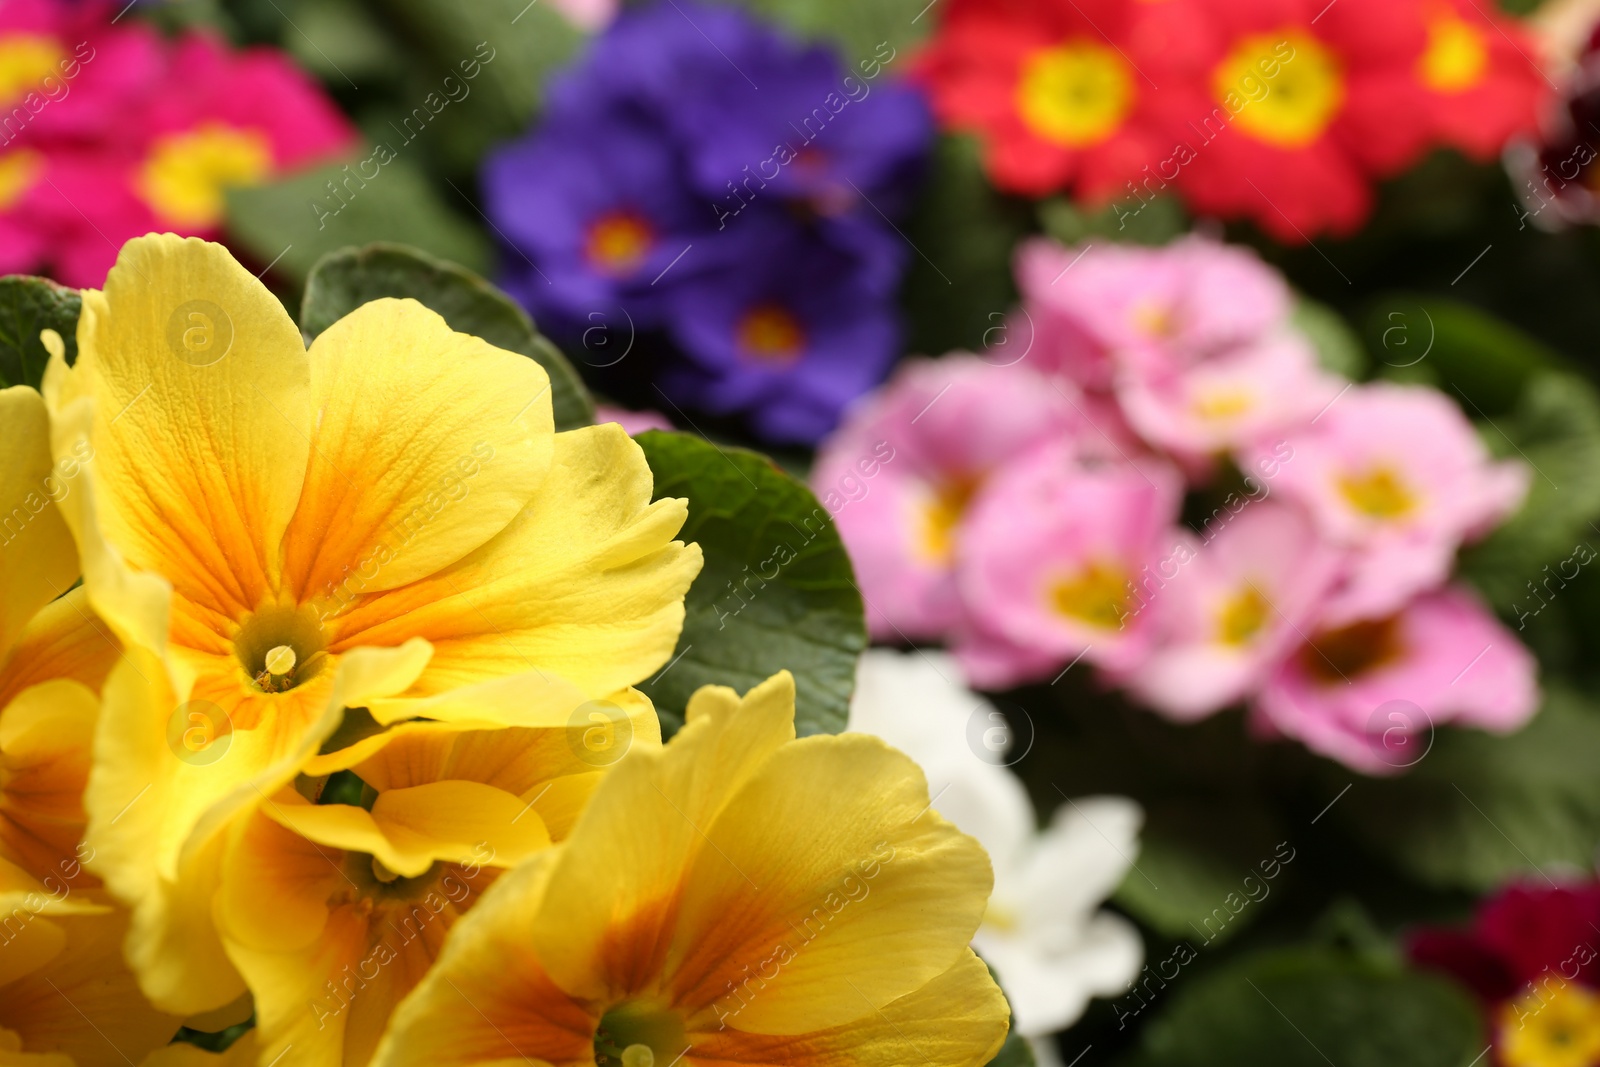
[1302, 109]
[1062, 93]
[1478, 79]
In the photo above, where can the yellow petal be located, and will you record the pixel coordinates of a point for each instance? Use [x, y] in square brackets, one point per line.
[409, 829]
[586, 582]
[84, 1003]
[201, 393]
[830, 869]
[640, 833]
[487, 1001]
[64, 640]
[37, 560]
[242, 1053]
[956, 1020]
[426, 444]
[46, 735]
[157, 807]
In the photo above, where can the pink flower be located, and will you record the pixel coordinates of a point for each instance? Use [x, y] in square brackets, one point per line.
[899, 475]
[1225, 401]
[1255, 578]
[635, 422]
[1091, 304]
[1369, 694]
[1396, 473]
[1060, 558]
[591, 15]
[107, 133]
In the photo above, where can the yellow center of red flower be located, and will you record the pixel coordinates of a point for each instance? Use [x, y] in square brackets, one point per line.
[1456, 58]
[18, 171]
[186, 174]
[1075, 94]
[1556, 1024]
[1096, 595]
[1302, 94]
[770, 334]
[1242, 616]
[26, 59]
[618, 242]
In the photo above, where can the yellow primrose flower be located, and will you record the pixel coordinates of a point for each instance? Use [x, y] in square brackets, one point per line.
[277, 534]
[66, 997]
[334, 911]
[737, 896]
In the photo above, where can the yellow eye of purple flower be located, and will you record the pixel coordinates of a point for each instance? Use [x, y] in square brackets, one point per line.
[618, 241]
[770, 334]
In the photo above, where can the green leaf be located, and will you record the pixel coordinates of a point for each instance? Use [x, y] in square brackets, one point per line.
[958, 297]
[293, 223]
[342, 281]
[1472, 355]
[1480, 809]
[866, 31]
[1309, 1007]
[1146, 222]
[513, 46]
[1194, 856]
[28, 305]
[777, 591]
[1338, 348]
[1556, 429]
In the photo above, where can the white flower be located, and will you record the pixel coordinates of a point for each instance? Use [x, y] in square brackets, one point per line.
[1044, 933]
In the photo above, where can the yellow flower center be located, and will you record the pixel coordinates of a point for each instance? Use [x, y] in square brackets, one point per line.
[1302, 97]
[1075, 94]
[1220, 405]
[1242, 616]
[1554, 1027]
[1336, 656]
[941, 514]
[1001, 918]
[1096, 595]
[639, 1033]
[18, 171]
[617, 242]
[769, 334]
[1379, 493]
[1154, 318]
[1456, 57]
[280, 647]
[186, 174]
[26, 59]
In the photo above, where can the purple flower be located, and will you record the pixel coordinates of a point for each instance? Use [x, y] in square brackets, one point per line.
[789, 332]
[716, 179]
[594, 213]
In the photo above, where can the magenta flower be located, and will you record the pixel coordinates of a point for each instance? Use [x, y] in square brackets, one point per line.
[901, 473]
[1370, 693]
[1061, 559]
[1241, 603]
[1396, 473]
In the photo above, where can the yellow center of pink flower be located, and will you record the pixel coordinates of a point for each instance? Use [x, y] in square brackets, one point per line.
[1075, 94]
[1456, 58]
[1378, 493]
[1220, 405]
[770, 334]
[1555, 1025]
[941, 514]
[1096, 595]
[19, 170]
[26, 59]
[618, 242]
[1242, 616]
[1303, 92]
[185, 176]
